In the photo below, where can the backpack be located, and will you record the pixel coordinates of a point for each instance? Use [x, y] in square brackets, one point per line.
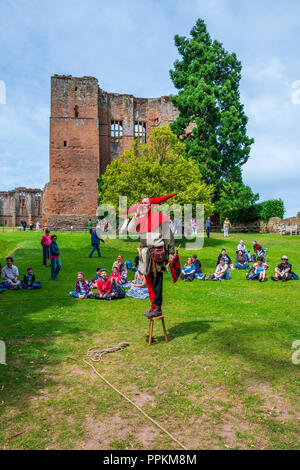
[128, 264]
[295, 276]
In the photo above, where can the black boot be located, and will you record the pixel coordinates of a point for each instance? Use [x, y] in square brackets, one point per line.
[156, 312]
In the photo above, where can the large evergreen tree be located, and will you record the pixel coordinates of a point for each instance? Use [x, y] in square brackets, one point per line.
[207, 77]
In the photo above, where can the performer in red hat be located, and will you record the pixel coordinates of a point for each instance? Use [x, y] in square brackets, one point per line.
[156, 249]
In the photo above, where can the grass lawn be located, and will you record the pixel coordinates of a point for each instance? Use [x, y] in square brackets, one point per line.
[225, 380]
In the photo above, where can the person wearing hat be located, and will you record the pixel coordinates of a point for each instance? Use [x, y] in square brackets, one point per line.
[45, 242]
[156, 247]
[198, 273]
[283, 270]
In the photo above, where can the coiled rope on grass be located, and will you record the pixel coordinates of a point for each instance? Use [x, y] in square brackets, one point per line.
[96, 355]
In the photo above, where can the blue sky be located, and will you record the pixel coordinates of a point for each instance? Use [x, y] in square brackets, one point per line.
[129, 46]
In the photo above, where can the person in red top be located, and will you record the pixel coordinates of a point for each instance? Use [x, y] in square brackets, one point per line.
[45, 242]
[256, 246]
[104, 287]
[115, 275]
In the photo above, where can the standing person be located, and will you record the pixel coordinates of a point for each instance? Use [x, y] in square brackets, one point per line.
[283, 270]
[24, 224]
[226, 226]
[90, 226]
[156, 248]
[45, 242]
[54, 258]
[95, 242]
[30, 225]
[37, 226]
[208, 224]
[10, 274]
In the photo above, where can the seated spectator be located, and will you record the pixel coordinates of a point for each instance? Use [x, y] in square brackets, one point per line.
[93, 283]
[29, 281]
[115, 275]
[241, 261]
[10, 273]
[138, 288]
[198, 273]
[122, 268]
[136, 263]
[227, 258]
[188, 271]
[222, 272]
[259, 271]
[104, 287]
[283, 270]
[256, 247]
[261, 252]
[82, 287]
[3, 285]
[242, 247]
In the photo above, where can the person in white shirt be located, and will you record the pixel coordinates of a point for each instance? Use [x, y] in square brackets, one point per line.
[10, 274]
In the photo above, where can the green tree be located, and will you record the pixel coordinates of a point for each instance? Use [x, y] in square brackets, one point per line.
[237, 202]
[156, 168]
[211, 120]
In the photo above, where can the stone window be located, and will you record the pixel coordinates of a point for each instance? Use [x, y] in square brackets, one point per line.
[116, 129]
[76, 111]
[65, 143]
[22, 206]
[140, 131]
[37, 205]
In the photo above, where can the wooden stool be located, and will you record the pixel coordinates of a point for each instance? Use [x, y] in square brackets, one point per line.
[161, 317]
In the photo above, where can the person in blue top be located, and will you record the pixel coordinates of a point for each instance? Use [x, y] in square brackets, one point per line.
[198, 268]
[29, 281]
[208, 224]
[54, 257]
[188, 271]
[95, 242]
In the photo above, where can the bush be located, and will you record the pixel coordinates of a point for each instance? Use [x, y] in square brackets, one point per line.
[271, 208]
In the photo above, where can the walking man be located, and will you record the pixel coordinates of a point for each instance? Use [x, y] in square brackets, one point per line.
[95, 242]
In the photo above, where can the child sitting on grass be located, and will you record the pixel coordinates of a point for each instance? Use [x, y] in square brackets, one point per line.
[29, 280]
[115, 275]
[93, 283]
[82, 287]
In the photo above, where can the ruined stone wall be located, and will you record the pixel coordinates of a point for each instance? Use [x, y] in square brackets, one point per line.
[20, 204]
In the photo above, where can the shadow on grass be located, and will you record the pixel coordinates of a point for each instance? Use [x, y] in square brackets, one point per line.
[182, 329]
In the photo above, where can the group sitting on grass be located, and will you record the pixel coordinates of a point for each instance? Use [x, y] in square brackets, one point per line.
[10, 277]
[192, 269]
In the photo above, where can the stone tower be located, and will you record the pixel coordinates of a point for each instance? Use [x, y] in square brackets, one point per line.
[74, 160]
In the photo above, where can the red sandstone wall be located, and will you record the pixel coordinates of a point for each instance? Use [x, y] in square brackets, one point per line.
[74, 147]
